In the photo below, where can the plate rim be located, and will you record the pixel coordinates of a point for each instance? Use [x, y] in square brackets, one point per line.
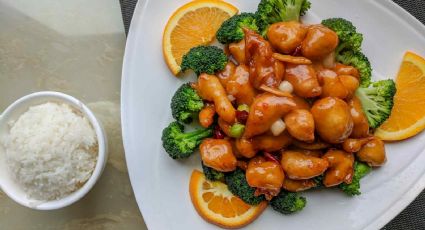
[131, 35]
[383, 219]
[397, 207]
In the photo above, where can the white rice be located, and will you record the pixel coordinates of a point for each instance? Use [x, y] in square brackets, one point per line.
[51, 151]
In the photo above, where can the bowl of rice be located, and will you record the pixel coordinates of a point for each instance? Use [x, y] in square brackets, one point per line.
[52, 150]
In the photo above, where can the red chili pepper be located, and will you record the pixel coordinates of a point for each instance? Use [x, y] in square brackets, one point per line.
[218, 134]
[270, 157]
[242, 116]
[297, 51]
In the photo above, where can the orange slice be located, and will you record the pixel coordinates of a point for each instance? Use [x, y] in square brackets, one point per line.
[217, 205]
[193, 24]
[408, 114]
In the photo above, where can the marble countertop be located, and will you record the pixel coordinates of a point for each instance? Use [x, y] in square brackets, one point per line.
[75, 47]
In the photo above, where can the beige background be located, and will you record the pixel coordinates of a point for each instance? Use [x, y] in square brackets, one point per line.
[75, 47]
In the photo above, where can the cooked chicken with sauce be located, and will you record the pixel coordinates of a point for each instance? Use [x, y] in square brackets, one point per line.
[286, 113]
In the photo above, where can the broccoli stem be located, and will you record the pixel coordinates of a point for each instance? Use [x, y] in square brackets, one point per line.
[368, 104]
[341, 46]
[197, 134]
[293, 11]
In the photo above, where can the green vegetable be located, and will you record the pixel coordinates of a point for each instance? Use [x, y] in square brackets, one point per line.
[237, 184]
[204, 59]
[243, 107]
[212, 174]
[181, 145]
[349, 48]
[361, 62]
[272, 11]
[319, 181]
[232, 29]
[288, 202]
[349, 39]
[360, 170]
[237, 130]
[186, 104]
[377, 101]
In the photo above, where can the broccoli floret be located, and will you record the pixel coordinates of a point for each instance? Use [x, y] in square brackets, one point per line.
[186, 104]
[212, 174]
[288, 202]
[181, 145]
[377, 101]
[237, 184]
[349, 48]
[272, 11]
[360, 170]
[349, 39]
[361, 62]
[231, 29]
[204, 59]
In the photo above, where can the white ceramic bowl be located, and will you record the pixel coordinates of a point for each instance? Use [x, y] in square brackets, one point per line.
[11, 188]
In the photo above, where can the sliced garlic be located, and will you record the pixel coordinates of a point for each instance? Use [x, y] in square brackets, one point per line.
[278, 127]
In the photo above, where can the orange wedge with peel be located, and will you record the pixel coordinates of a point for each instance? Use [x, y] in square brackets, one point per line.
[217, 205]
[408, 114]
[193, 24]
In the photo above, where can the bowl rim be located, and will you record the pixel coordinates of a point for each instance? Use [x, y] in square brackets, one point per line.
[101, 158]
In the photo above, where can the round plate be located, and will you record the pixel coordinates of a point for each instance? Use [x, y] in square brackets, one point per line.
[161, 184]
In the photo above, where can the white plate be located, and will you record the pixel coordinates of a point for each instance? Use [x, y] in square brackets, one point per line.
[161, 184]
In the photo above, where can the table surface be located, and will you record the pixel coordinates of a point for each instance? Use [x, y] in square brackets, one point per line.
[76, 47]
